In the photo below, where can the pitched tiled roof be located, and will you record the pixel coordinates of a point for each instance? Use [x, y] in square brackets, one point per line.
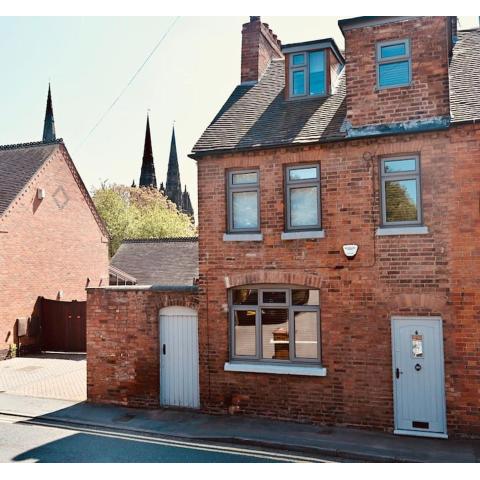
[18, 164]
[259, 116]
[165, 261]
[465, 77]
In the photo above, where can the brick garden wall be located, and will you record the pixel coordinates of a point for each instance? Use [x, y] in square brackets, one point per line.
[427, 97]
[433, 274]
[123, 353]
[45, 248]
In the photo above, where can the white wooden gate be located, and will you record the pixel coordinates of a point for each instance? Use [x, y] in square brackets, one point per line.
[418, 376]
[179, 382]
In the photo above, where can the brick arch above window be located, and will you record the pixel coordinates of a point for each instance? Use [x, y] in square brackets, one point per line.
[273, 277]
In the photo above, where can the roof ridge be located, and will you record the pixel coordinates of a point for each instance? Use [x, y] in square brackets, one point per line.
[160, 240]
[13, 146]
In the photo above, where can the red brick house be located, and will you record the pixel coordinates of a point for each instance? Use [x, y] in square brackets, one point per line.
[52, 242]
[338, 213]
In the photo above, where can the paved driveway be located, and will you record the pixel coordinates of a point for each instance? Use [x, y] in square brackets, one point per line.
[48, 376]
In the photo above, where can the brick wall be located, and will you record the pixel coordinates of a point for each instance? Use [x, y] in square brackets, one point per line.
[123, 354]
[428, 94]
[259, 46]
[45, 249]
[434, 274]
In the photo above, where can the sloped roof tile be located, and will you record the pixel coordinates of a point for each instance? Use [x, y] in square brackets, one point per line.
[164, 261]
[257, 116]
[18, 164]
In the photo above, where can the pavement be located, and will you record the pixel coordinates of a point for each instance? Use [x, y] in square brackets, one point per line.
[343, 443]
[57, 376]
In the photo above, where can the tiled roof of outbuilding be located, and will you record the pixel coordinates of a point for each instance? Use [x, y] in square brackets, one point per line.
[465, 77]
[18, 164]
[164, 261]
[257, 116]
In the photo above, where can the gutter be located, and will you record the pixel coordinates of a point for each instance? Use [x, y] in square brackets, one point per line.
[369, 132]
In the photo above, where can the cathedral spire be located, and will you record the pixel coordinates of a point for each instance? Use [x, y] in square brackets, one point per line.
[173, 187]
[49, 123]
[147, 175]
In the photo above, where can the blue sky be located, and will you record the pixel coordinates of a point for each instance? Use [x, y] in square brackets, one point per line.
[90, 59]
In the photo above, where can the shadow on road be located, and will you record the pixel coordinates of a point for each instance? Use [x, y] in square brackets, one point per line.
[92, 448]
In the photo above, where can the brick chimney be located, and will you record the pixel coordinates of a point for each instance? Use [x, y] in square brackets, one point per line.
[259, 46]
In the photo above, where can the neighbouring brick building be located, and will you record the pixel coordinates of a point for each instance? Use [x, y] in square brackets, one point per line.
[52, 242]
[338, 217]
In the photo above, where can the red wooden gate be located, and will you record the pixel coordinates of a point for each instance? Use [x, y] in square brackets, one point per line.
[64, 326]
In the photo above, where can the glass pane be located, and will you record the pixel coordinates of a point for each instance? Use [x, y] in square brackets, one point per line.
[393, 50]
[298, 59]
[397, 73]
[242, 178]
[417, 346]
[305, 297]
[394, 166]
[401, 200]
[306, 334]
[303, 173]
[274, 297]
[298, 87]
[245, 332]
[275, 333]
[245, 210]
[245, 296]
[304, 206]
[317, 73]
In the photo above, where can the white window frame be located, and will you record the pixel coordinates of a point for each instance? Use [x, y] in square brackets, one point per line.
[396, 59]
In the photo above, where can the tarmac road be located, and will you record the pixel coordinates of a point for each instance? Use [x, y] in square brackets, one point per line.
[35, 441]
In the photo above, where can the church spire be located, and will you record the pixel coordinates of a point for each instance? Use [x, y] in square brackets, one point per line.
[173, 187]
[147, 175]
[49, 123]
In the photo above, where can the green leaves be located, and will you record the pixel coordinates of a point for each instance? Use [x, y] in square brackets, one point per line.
[139, 213]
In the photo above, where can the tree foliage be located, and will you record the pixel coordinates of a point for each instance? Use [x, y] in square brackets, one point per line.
[130, 212]
[400, 206]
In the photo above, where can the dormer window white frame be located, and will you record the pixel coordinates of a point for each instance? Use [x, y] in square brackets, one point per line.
[308, 74]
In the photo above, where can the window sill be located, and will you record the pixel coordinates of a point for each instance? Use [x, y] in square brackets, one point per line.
[385, 231]
[290, 369]
[242, 237]
[303, 235]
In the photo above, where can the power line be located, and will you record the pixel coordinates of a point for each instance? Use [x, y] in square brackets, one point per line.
[107, 111]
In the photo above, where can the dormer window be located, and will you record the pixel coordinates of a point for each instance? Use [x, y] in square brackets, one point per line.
[393, 64]
[308, 74]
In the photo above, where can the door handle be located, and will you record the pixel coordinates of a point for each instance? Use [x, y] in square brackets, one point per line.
[397, 373]
[164, 349]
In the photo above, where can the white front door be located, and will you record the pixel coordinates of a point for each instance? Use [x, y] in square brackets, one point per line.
[418, 376]
[179, 383]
